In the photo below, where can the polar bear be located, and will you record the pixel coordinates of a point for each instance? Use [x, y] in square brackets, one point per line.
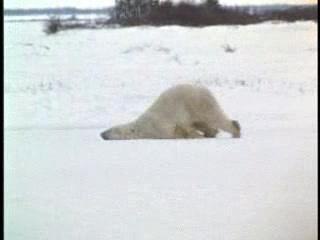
[183, 111]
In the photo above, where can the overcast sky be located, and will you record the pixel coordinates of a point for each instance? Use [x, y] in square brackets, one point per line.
[104, 3]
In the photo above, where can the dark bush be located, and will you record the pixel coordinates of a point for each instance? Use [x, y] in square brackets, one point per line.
[53, 25]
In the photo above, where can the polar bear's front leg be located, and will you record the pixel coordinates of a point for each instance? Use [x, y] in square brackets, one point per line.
[187, 132]
[209, 132]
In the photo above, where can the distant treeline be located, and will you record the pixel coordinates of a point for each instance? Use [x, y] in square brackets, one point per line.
[168, 13]
[190, 14]
[55, 11]
[212, 13]
[294, 13]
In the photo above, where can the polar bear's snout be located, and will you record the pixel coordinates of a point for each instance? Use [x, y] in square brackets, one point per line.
[106, 135]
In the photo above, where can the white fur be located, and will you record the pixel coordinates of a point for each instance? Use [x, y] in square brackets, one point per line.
[180, 106]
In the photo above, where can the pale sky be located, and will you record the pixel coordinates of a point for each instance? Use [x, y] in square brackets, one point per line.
[105, 3]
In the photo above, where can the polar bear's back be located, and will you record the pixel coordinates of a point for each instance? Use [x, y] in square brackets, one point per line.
[188, 94]
[186, 89]
[185, 93]
[185, 99]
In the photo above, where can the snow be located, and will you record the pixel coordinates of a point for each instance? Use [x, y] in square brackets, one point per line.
[63, 182]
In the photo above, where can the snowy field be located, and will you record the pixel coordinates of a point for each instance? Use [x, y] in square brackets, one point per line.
[63, 182]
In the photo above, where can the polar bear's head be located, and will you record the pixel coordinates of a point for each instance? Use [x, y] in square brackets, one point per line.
[121, 132]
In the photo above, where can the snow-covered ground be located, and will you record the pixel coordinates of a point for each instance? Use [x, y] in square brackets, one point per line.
[63, 182]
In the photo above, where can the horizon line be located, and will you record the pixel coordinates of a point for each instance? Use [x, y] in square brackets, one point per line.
[94, 8]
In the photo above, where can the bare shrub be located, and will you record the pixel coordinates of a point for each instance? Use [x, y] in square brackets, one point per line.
[229, 49]
[53, 25]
